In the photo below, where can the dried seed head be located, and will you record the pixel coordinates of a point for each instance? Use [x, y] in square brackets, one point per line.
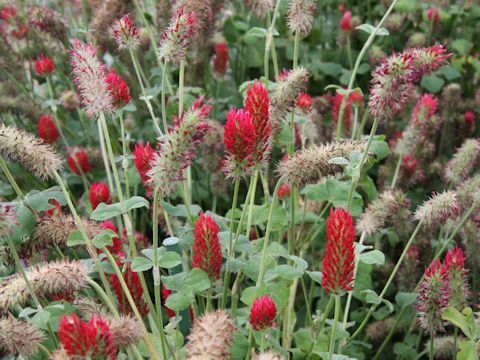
[467, 191]
[49, 279]
[259, 8]
[19, 337]
[284, 97]
[87, 306]
[443, 347]
[90, 76]
[50, 21]
[300, 16]
[54, 231]
[126, 331]
[177, 149]
[312, 164]
[211, 337]
[464, 161]
[105, 14]
[438, 209]
[378, 212]
[203, 14]
[378, 330]
[18, 146]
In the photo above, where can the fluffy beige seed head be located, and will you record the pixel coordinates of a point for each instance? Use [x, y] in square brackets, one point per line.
[438, 209]
[377, 213]
[125, 331]
[300, 16]
[53, 278]
[20, 147]
[55, 230]
[464, 161]
[87, 306]
[19, 337]
[259, 8]
[466, 191]
[285, 95]
[211, 337]
[312, 164]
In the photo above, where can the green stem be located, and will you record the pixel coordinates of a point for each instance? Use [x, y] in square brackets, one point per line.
[164, 104]
[261, 271]
[390, 333]
[269, 41]
[334, 326]
[397, 171]
[430, 349]
[101, 140]
[389, 281]
[357, 65]
[81, 228]
[125, 159]
[328, 308]
[181, 87]
[144, 96]
[156, 272]
[296, 46]
[362, 162]
[455, 338]
[362, 125]
[251, 205]
[98, 289]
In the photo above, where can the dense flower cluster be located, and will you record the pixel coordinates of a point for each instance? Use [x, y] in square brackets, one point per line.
[207, 254]
[47, 130]
[118, 90]
[99, 193]
[92, 339]
[78, 162]
[457, 278]
[220, 60]
[263, 313]
[393, 80]
[177, 37]
[126, 34]
[177, 150]
[90, 76]
[44, 65]
[338, 267]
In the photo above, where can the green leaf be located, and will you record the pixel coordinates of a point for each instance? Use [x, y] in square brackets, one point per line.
[140, 264]
[136, 202]
[459, 320]
[449, 72]
[169, 260]
[39, 200]
[468, 350]
[104, 238]
[315, 276]
[373, 257]
[104, 211]
[288, 272]
[180, 210]
[371, 297]
[329, 68]
[461, 46]
[432, 83]
[250, 294]
[75, 238]
[369, 29]
[181, 300]
[339, 161]
[404, 299]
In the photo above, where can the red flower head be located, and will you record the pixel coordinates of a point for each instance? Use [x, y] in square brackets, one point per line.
[346, 22]
[457, 278]
[339, 263]
[118, 90]
[257, 103]
[283, 191]
[47, 130]
[116, 247]
[44, 65]
[126, 34]
[220, 60]
[99, 193]
[409, 165]
[91, 340]
[424, 110]
[7, 13]
[78, 160]
[134, 286]
[207, 254]
[304, 102]
[433, 15]
[263, 313]
[433, 297]
[239, 140]
[341, 8]
[143, 156]
[469, 118]
[353, 98]
[165, 293]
